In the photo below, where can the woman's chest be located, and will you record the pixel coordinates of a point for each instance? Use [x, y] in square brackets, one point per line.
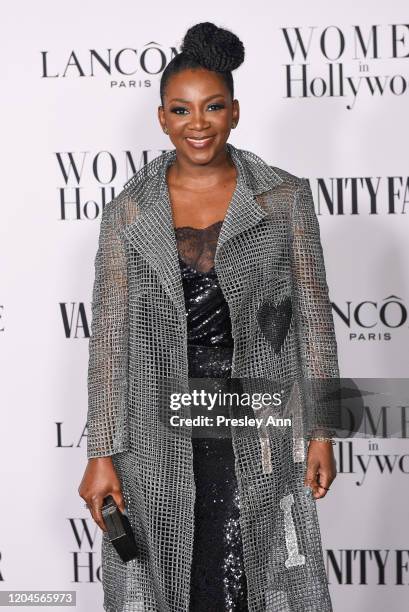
[200, 208]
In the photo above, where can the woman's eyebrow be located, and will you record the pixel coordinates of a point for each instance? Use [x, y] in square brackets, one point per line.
[219, 95]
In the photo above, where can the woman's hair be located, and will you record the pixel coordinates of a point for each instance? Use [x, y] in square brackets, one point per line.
[206, 46]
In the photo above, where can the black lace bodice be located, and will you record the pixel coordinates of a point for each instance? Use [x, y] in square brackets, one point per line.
[208, 317]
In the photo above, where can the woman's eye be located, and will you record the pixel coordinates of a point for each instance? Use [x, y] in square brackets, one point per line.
[180, 110]
[177, 109]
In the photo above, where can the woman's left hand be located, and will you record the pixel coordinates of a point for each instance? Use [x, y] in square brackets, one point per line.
[321, 467]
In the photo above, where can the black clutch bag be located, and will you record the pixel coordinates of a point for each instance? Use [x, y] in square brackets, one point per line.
[119, 529]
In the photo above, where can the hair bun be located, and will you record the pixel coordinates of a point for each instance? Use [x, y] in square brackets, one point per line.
[212, 47]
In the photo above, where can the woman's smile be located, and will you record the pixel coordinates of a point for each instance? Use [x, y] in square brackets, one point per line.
[199, 143]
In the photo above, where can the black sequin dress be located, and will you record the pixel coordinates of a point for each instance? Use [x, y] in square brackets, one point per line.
[218, 581]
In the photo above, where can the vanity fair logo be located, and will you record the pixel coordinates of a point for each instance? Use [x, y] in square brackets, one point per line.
[74, 320]
[373, 320]
[345, 62]
[367, 566]
[362, 195]
[124, 68]
[86, 179]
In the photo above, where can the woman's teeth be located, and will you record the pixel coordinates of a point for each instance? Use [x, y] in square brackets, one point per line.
[199, 142]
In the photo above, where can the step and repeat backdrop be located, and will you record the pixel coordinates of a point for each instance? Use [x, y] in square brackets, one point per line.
[324, 94]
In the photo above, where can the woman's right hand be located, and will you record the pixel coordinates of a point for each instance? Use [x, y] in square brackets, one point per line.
[100, 479]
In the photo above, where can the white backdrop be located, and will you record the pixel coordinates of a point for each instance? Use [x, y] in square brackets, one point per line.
[73, 125]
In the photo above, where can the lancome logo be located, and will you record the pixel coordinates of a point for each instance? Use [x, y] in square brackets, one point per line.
[349, 57]
[122, 65]
[373, 319]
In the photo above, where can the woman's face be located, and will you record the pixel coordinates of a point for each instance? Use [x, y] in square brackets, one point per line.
[198, 112]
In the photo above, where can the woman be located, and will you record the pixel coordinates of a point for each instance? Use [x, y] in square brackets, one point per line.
[210, 267]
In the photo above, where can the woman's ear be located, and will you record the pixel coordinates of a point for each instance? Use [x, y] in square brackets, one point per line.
[161, 116]
[235, 112]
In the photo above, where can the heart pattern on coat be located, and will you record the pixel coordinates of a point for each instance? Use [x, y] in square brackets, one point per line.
[274, 321]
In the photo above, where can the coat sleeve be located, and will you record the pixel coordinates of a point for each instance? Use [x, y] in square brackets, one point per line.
[107, 421]
[318, 353]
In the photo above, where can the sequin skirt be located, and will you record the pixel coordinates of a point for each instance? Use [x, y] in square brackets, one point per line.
[218, 580]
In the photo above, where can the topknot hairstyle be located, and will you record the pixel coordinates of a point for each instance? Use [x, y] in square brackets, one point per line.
[206, 46]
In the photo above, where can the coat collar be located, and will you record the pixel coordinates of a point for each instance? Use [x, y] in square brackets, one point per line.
[152, 233]
[254, 172]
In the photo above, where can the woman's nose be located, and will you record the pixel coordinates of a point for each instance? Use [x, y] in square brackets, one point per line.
[198, 121]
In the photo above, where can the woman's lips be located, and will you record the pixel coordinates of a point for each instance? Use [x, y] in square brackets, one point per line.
[199, 144]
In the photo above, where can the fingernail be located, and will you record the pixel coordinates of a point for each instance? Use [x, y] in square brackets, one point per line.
[308, 490]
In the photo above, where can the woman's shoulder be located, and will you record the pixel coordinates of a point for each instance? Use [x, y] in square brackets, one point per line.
[120, 211]
[141, 187]
[260, 174]
[287, 176]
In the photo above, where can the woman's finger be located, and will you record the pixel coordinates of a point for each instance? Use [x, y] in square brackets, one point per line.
[311, 476]
[96, 512]
[324, 480]
[119, 499]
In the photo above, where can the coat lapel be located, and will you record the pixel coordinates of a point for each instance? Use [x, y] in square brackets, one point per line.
[254, 177]
[152, 233]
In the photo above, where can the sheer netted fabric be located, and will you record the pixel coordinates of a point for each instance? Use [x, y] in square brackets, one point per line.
[270, 266]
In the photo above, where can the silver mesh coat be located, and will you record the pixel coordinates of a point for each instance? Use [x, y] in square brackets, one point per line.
[270, 266]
